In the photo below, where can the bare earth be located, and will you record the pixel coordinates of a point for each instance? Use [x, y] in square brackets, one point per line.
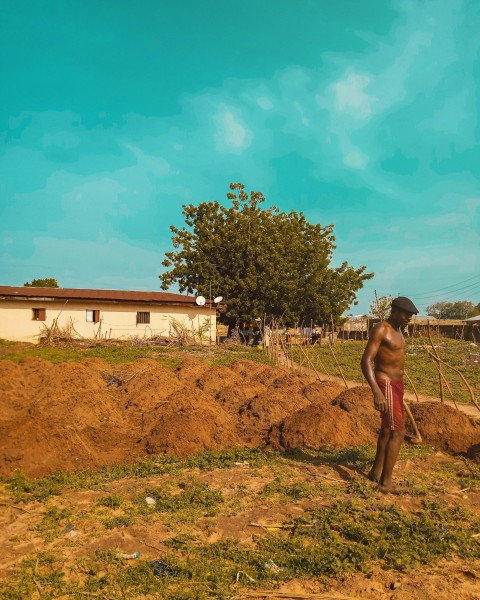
[76, 415]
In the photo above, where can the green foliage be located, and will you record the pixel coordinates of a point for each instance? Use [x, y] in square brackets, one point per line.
[349, 536]
[49, 282]
[462, 309]
[52, 524]
[380, 307]
[25, 489]
[340, 530]
[262, 261]
[111, 501]
[193, 496]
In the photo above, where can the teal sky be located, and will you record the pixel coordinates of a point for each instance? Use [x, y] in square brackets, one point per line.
[362, 114]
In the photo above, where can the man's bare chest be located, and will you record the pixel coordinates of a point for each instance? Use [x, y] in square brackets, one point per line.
[394, 342]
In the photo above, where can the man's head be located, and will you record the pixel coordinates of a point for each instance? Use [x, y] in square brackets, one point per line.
[403, 309]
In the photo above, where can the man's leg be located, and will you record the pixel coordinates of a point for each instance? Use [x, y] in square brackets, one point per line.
[392, 449]
[377, 468]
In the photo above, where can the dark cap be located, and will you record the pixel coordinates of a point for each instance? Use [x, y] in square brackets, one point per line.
[404, 304]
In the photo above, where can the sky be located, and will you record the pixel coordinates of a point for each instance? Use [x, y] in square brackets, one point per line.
[364, 115]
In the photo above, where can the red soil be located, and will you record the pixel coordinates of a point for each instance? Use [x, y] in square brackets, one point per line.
[76, 415]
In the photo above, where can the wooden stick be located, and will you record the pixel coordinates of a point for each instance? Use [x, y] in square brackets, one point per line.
[440, 374]
[413, 386]
[137, 373]
[154, 547]
[418, 437]
[461, 375]
[313, 366]
[337, 363]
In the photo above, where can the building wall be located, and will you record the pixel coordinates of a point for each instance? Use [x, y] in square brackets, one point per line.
[117, 320]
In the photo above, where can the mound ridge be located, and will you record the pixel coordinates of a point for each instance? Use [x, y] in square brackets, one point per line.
[87, 414]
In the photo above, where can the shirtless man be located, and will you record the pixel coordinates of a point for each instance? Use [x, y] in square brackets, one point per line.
[386, 349]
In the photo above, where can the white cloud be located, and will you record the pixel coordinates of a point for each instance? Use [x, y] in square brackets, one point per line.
[350, 95]
[231, 136]
[155, 165]
[355, 158]
[264, 103]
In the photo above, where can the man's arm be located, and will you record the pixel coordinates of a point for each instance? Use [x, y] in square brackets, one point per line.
[371, 350]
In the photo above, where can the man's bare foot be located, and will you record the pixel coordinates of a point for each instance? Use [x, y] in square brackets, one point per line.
[373, 477]
[390, 489]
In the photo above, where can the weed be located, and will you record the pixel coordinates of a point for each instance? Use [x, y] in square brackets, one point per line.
[193, 497]
[114, 501]
[25, 489]
[119, 521]
[52, 523]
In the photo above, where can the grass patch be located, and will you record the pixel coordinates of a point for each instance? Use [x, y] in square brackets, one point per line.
[113, 355]
[419, 366]
[343, 529]
[25, 489]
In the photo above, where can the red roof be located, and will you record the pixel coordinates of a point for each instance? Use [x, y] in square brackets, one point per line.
[8, 292]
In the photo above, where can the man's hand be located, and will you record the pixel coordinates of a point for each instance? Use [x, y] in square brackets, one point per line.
[380, 402]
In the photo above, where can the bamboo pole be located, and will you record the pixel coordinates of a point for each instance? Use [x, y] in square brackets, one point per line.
[337, 363]
[325, 370]
[472, 395]
[413, 386]
[441, 375]
[440, 378]
[418, 437]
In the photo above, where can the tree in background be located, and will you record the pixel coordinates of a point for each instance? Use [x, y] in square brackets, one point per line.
[463, 309]
[380, 307]
[262, 261]
[47, 282]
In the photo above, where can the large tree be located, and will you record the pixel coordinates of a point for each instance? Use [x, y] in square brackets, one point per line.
[47, 282]
[462, 309]
[263, 261]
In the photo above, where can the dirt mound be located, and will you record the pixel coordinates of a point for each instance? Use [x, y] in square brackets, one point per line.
[318, 391]
[445, 427]
[358, 403]
[188, 424]
[87, 414]
[317, 425]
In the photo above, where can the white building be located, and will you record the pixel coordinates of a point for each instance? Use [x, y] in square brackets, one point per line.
[26, 312]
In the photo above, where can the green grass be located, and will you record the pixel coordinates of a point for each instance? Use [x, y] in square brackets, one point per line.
[121, 354]
[25, 489]
[340, 539]
[113, 355]
[343, 529]
[419, 366]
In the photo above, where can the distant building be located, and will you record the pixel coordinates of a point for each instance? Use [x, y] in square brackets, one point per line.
[101, 314]
[473, 320]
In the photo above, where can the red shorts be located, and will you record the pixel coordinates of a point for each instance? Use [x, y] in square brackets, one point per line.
[393, 417]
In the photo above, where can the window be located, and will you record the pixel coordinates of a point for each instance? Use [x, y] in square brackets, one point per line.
[143, 317]
[93, 316]
[39, 314]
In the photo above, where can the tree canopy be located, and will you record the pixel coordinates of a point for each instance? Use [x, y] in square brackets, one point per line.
[462, 309]
[47, 282]
[380, 307]
[262, 261]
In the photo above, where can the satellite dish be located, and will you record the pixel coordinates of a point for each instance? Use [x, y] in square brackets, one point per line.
[218, 299]
[200, 300]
